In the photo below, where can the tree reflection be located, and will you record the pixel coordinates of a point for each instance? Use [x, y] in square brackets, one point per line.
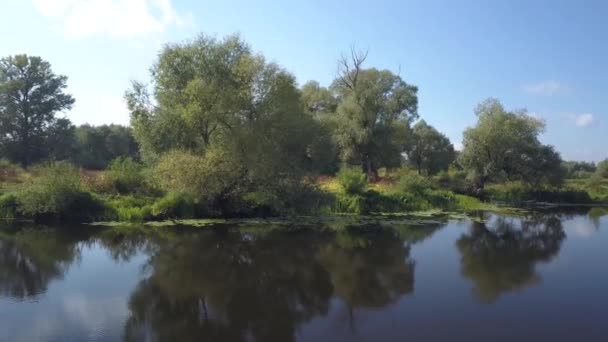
[369, 268]
[502, 256]
[236, 285]
[31, 259]
[228, 286]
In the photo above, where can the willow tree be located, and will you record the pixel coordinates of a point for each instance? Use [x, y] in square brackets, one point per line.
[210, 94]
[375, 107]
[504, 145]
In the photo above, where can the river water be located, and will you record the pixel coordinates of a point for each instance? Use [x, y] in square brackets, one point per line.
[542, 276]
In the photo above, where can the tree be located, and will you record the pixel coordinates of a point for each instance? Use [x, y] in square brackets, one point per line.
[429, 150]
[97, 146]
[602, 169]
[61, 140]
[505, 145]
[372, 103]
[30, 97]
[216, 94]
[321, 103]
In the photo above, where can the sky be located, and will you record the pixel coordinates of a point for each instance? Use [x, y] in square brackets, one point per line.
[547, 56]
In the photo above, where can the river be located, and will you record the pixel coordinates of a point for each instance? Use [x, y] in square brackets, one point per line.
[541, 276]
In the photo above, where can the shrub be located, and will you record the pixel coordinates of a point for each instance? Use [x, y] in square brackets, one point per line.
[350, 203]
[174, 205]
[129, 208]
[352, 180]
[8, 206]
[55, 193]
[411, 182]
[515, 192]
[9, 172]
[126, 176]
[208, 177]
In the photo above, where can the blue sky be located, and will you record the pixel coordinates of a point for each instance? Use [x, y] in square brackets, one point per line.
[550, 57]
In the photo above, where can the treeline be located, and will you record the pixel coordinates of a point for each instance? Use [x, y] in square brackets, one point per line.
[222, 127]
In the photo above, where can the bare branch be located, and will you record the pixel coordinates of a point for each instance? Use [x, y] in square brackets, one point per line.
[350, 66]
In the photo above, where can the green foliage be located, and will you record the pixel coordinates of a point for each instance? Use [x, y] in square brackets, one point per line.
[429, 151]
[350, 203]
[125, 176]
[9, 172]
[504, 146]
[30, 96]
[517, 192]
[55, 193]
[578, 170]
[602, 169]
[375, 109]
[96, 147]
[8, 206]
[174, 205]
[352, 180]
[454, 180]
[129, 208]
[413, 183]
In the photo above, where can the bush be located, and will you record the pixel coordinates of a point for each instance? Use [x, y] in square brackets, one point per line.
[413, 183]
[9, 172]
[56, 193]
[454, 180]
[129, 208]
[8, 206]
[515, 192]
[207, 177]
[350, 203]
[352, 180]
[174, 205]
[125, 176]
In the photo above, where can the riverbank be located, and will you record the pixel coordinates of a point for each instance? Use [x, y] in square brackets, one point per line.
[62, 193]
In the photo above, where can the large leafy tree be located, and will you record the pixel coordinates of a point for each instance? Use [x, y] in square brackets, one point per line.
[375, 105]
[505, 145]
[429, 151]
[30, 97]
[211, 94]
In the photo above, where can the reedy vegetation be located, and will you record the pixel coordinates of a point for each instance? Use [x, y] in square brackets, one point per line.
[219, 131]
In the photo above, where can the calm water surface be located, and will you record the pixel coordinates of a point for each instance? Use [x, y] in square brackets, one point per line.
[543, 277]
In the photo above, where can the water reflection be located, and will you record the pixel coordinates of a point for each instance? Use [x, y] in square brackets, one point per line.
[285, 283]
[501, 255]
[31, 259]
[235, 285]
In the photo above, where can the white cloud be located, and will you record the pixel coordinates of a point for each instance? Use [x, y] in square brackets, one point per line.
[546, 88]
[583, 120]
[118, 18]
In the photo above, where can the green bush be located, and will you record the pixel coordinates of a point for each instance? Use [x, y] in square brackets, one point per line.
[515, 192]
[174, 205]
[126, 176]
[413, 183]
[9, 172]
[352, 180]
[55, 193]
[8, 206]
[350, 203]
[129, 208]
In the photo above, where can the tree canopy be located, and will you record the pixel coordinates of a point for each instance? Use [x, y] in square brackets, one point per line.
[505, 145]
[31, 95]
[429, 151]
[375, 109]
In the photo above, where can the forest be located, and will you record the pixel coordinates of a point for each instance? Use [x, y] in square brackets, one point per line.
[220, 132]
